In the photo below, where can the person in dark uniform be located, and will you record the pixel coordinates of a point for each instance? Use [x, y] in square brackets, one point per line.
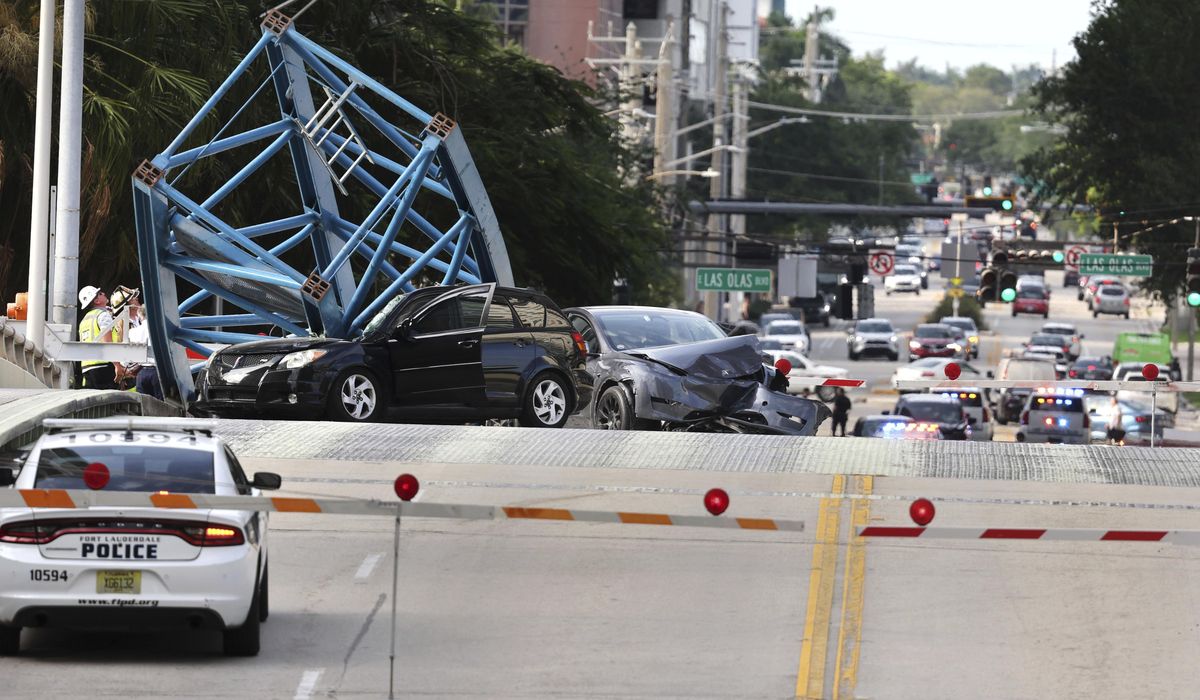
[841, 411]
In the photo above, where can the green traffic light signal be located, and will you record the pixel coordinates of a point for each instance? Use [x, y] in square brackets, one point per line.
[1058, 256]
[1007, 205]
[1008, 294]
[987, 191]
[1193, 299]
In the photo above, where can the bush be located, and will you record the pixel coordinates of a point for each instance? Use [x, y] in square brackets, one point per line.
[967, 306]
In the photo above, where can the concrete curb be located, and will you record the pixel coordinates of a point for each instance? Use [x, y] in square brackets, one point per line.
[21, 423]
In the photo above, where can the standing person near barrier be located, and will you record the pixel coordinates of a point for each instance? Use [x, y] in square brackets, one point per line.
[841, 411]
[97, 327]
[1116, 432]
[147, 373]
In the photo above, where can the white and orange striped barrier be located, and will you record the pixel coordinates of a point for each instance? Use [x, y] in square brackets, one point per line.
[1098, 385]
[81, 499]
[813, 382]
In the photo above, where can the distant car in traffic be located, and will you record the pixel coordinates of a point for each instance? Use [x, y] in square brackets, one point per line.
[469, 352]
[1031, 300]
[967, 325]
[1094, 283]
[1009, 402]
[1054, 415]
[974, 403]
[895, 428]
[935, 368]
[872, 336]
[1093, 368]
[945, 411]
[1067, 330]
[1111, 299]
[133, 568]
[934, 340]
[904, 278]
[790, 332]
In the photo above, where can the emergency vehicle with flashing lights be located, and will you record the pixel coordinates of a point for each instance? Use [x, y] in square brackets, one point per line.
[134, 568]
[1055, 415]
[974, 404]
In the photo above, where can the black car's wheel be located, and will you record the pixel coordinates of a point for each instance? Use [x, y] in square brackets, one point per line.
[10, 640]
[547, 402]
[357, 396]
[244, 640]
[614, 411]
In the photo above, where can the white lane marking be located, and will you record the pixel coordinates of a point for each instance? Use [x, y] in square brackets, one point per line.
[308, 682]
[367, 566]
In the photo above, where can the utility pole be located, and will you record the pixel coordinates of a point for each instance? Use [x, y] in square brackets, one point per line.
[70, 137]
[716, 188]
[812, 38]
[737, 184]
[39, 225]
[880, 179]
[664, 109]
[631, 101]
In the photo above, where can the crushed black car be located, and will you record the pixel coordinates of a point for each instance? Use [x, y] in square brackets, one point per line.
[664, 369]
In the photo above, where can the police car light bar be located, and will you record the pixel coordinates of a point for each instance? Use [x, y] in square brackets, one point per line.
[130, 423]
[1158, 386]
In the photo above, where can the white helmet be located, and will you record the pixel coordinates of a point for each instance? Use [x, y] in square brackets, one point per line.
[86, 295]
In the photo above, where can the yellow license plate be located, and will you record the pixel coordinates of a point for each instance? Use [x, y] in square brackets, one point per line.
[119, 582]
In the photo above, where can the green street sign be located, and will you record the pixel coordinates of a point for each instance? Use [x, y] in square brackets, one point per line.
[1119, 265]
[726, 279]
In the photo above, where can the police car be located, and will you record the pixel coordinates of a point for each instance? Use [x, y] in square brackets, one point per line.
[974, 405]
[128, 567]
[1055, 415]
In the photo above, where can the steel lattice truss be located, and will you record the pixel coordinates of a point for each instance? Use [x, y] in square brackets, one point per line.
[343, 148]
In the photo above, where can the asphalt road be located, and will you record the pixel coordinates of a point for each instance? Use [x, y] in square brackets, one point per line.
[532, 609]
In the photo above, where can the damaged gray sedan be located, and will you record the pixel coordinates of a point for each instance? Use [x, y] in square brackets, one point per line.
[665, 369]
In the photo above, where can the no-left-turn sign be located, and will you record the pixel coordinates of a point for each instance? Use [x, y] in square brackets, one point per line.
[881, 262]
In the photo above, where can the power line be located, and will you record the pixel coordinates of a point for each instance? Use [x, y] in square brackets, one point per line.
[865, 116]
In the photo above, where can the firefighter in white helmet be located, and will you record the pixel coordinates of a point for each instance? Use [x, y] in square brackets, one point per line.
[97, 327]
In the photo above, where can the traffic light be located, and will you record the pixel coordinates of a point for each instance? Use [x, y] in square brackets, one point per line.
[845, 301]
[1193, 277]
[989, 285]
[993, 203]
[1008, 286]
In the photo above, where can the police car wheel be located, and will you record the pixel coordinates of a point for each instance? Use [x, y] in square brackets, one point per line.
[264, 597]
[10, 640]
[243, 641]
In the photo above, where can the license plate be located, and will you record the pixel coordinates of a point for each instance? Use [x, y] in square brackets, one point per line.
[119, 582]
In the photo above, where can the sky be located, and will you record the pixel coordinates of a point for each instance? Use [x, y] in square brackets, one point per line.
[961, 34]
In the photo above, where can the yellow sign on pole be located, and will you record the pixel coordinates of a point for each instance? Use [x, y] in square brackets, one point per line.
[955, 281]
[954, 293]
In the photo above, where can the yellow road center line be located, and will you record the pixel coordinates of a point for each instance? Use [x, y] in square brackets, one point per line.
[810, 680]
[850, 629]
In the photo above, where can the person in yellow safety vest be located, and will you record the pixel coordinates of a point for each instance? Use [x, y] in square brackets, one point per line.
[97, 327]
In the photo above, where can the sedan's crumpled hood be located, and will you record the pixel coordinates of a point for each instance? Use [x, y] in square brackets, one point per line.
[278, 346]
[723, 358]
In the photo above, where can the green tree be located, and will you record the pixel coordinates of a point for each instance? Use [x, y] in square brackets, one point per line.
[1132, 149]
[550, 159]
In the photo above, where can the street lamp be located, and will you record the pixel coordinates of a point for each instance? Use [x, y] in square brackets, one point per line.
[699, 173]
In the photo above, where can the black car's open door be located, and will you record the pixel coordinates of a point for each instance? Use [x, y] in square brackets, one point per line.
[436, 352]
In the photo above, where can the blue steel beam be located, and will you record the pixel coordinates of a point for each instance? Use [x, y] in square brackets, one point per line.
[180, 238]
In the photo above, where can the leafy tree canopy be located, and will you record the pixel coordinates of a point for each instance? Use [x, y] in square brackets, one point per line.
[1132, 149]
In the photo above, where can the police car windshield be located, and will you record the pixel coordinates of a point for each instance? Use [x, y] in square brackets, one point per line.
[130, 467]
[935, 412]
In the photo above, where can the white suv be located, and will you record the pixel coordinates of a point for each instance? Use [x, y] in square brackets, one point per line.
[905, 278]
[104, 567]
[1110, 299]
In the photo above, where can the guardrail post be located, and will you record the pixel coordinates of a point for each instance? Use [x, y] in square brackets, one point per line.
[395, 590]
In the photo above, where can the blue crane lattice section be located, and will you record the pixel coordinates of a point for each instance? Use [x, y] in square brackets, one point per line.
[318, 269]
